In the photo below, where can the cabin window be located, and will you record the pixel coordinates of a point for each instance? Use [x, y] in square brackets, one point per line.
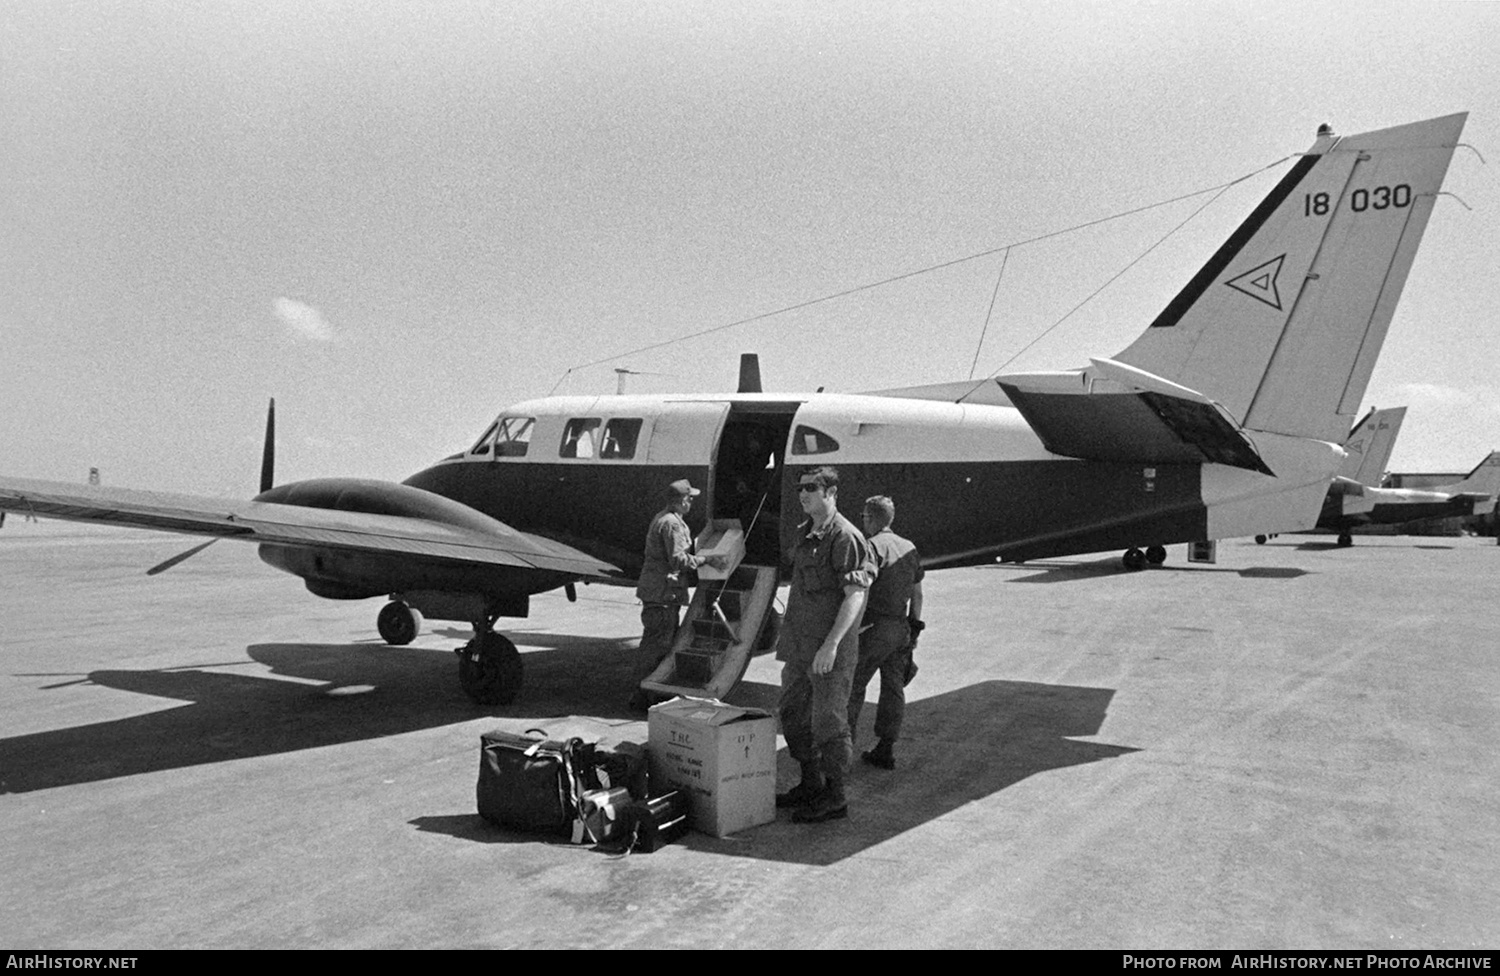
[578, 438]
[513, 436]
[620, 437]
[808, 440]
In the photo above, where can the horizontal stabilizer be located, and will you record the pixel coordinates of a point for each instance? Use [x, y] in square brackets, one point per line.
[1115, 412]
[1347, 487]
[986, 392]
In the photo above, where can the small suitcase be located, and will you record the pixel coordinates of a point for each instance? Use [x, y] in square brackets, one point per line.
[647, 826]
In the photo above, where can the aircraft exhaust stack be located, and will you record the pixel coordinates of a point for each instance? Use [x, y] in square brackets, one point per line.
[749, 373]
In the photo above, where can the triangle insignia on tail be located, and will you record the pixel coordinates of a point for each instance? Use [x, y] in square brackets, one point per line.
[1260, 282]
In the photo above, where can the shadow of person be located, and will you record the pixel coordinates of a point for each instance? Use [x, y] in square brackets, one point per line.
[956, 747]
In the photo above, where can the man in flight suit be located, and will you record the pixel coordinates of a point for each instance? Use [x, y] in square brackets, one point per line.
[819, 647]
[663, 588]
[893, 613]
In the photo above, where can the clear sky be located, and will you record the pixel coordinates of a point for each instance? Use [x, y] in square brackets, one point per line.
[398, 217]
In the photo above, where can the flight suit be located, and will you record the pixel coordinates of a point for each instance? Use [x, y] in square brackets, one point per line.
[663, 588]
[814, 708]
[885, 644]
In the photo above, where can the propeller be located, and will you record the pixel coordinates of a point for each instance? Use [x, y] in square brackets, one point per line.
[267, 476]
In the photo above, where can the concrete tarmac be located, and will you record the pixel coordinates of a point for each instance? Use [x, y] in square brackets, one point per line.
[1294, 748]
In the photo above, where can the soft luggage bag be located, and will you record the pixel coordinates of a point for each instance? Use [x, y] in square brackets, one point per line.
[534, 784]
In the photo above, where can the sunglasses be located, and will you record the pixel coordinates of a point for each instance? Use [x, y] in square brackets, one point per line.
[808, 486]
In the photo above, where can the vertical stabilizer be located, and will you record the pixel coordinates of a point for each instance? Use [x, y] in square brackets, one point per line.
[1483, 480]
[1283, 325]
[1368, 449]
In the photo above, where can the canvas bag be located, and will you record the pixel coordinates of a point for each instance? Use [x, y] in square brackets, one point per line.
[532, 783]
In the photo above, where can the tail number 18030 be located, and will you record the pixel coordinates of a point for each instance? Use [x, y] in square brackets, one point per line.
[1376, 198]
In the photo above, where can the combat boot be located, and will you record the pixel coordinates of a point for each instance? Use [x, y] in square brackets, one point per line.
[882, 755]
[804, 792]
[830, 804]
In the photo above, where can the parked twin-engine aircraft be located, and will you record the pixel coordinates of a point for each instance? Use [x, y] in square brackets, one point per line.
[1362, 502]
[1221, 420]
[1366, 452]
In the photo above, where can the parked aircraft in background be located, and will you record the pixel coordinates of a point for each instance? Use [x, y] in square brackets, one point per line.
[1221, 419]
[1473, 495]
[1367, 451]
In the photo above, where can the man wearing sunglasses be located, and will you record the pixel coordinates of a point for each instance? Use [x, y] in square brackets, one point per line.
[832, 570]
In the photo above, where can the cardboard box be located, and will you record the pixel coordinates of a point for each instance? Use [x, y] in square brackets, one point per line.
[721, 537]
[722, 756]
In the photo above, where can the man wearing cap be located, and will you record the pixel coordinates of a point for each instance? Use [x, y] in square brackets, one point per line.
[819, 646]
[893, 614]
[662, 589]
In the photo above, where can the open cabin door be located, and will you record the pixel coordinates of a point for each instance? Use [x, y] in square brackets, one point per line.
[683, 434]
[748, 472]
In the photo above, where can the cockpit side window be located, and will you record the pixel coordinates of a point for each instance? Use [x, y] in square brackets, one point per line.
[482, 446]
[809, 440]
[507, 437]
[578, 438]
[513, 436]
[620, 437]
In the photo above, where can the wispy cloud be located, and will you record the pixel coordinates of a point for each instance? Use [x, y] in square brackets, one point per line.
[303, 321]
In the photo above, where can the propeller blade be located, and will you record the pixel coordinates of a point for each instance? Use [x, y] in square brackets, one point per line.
[162, 567]
[268, 454]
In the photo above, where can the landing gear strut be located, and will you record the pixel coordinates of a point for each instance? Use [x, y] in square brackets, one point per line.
[398, 623]
[489, 667]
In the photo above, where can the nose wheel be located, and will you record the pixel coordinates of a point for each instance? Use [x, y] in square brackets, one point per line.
[398, 623]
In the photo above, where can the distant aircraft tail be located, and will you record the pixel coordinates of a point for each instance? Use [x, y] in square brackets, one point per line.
[1368, 449]
[1483, 480]
[1283, 325]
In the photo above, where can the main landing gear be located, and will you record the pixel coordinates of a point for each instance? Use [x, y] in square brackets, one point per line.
[489, 666]
[1136, 559]
[1345, 540]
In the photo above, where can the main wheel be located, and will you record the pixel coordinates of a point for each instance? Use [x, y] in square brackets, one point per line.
[1345, 539]
[1260, 540]
[398, 623]
[489, 669]
[1156, 555]
[1133, 559]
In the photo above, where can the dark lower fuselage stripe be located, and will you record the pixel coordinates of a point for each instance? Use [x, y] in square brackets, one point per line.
[1227, 251]
[957, 512]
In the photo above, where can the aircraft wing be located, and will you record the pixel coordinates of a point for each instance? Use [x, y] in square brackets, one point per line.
[493, 544]
[1116, 412]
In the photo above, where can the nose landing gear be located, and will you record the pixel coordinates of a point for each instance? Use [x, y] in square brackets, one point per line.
[398, 623]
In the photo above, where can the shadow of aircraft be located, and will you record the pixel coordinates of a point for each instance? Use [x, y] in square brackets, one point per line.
[1099, 569]
[344, 693]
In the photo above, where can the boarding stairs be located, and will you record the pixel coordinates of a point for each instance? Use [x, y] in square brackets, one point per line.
[725, 625]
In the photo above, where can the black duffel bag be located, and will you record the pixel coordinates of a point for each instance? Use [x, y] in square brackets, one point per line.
[529, 782]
